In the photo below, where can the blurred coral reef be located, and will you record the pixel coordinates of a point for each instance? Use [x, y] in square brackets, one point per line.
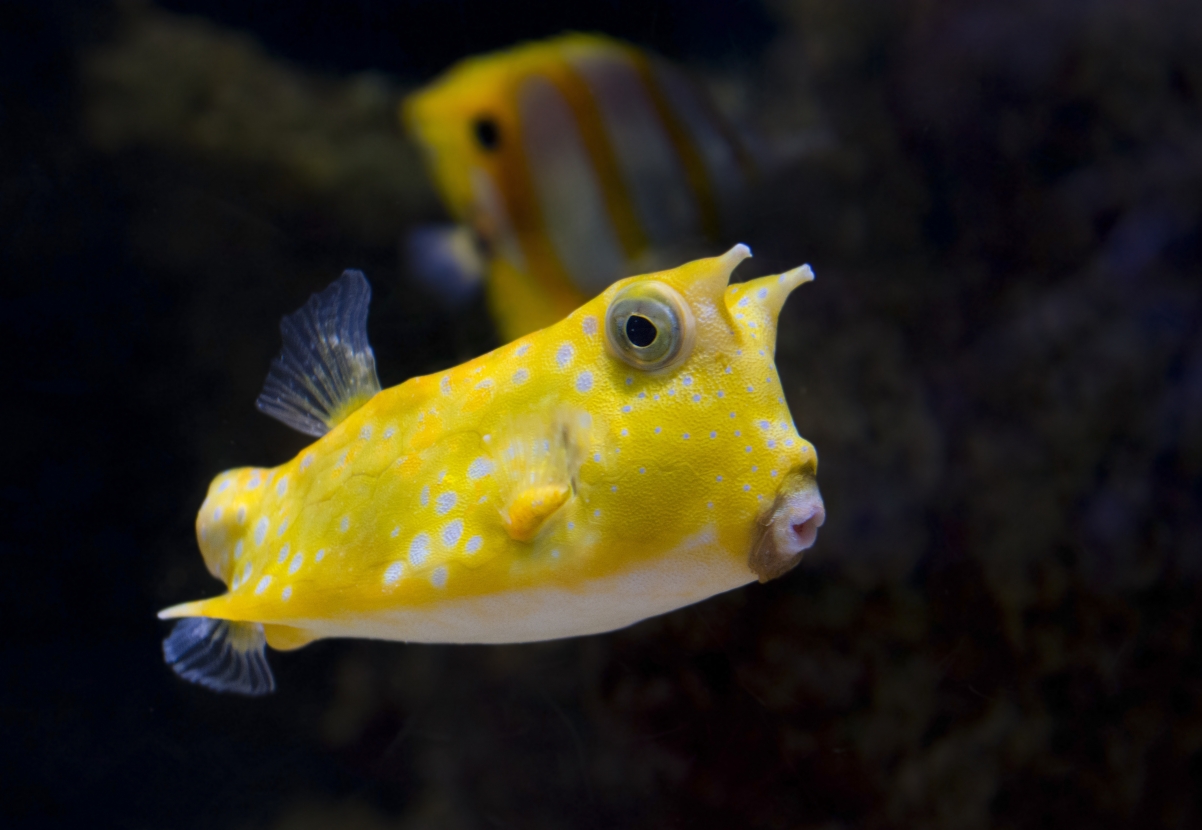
[1000, 365]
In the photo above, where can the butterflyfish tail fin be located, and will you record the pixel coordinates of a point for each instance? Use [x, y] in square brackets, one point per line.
[446, 260]
[221, 655]
[326, 369]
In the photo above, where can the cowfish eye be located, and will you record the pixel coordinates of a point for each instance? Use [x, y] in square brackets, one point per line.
[488, 134]
[649, 326]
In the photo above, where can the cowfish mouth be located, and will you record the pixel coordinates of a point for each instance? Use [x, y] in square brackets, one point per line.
[788, 528]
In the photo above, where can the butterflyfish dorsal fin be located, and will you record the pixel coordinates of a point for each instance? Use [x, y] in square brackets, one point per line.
[225, 656]
[326, 369]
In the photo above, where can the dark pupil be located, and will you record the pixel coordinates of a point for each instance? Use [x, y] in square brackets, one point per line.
[487, 133]
[640, 330]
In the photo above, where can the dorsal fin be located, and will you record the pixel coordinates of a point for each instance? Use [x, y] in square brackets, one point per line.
[224, 656]
[326, 370]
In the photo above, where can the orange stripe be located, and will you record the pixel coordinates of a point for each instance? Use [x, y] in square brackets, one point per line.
[618, 202]
[695, 169]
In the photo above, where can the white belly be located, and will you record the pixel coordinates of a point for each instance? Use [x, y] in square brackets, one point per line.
[696, 569]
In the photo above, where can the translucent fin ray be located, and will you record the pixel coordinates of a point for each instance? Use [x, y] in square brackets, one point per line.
[221, 655]
[326, 369]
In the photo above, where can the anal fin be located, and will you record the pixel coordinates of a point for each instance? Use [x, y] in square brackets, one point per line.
[222, 655]
[287, 637]
[326, 369]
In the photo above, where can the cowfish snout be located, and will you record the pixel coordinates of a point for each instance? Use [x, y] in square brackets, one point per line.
[788, 528]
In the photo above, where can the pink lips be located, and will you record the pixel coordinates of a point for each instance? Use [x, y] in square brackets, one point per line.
[789, 528]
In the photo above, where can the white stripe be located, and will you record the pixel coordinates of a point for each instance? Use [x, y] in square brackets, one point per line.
[650, 166]
[569, 194]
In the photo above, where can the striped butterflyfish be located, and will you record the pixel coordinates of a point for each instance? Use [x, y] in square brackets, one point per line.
[568, 164]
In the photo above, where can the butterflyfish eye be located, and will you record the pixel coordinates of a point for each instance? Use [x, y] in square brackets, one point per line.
[649, 326]
[488, 134]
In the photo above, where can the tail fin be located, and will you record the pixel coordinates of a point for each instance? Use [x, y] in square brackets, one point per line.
[221, 655]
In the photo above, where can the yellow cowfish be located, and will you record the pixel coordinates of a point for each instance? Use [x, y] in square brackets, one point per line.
[631, 459]
[570, 163]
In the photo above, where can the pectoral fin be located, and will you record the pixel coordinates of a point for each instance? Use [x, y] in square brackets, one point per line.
[445, 259]
[529, 508]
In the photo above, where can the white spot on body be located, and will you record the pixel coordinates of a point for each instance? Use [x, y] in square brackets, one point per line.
[521, 376]
[283, 526]
[445, 502]
[444, 385]
[287, 593]
[242, 515]
[396, 531]
[344, 524]
[321, 554]
[563, 355]
[584, 382]
[425, 497]
[365, 433]
[296, 563]
[262, 586]
[473, 544]
[522, 349]
[391, 431]
[283, 555]
[393, 573]
[419, 549]
[217, 514]
[282, 487]
[479, 468]
[589, 325]
[451, 532]
[260, 530]
[238, 550]
[438, 578]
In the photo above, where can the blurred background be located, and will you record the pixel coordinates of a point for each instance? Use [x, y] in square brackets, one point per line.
[1000, 365]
